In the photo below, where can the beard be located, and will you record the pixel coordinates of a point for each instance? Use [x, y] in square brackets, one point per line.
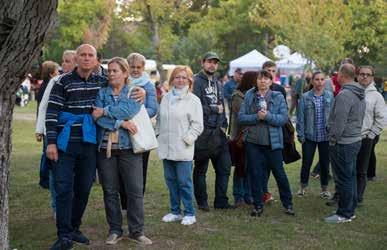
[208, 72]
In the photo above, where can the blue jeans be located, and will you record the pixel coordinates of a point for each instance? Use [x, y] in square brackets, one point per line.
[343, 160]
[308, 150]
[73, 177]
[178, 179]
[222, 166]
[241, 189]
[259, 160]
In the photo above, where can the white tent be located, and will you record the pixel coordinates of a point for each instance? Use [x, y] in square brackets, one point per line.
[251, 61]
[294, 61]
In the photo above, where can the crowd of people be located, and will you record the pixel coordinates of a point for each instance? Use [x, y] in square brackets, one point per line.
[86, 122]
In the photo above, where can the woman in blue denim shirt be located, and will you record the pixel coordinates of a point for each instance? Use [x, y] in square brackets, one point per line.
[139, 78]
[263, 113]
[313, 112]
[116, 161]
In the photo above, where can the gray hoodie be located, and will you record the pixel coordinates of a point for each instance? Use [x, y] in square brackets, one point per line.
[346, 119]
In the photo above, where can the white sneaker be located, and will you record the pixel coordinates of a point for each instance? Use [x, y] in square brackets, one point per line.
[171, 217]
[113, 239]
[325, 195]
[188, 220]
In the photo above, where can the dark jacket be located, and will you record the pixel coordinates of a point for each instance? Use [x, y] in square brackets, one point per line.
[202, 88]
[346, 118]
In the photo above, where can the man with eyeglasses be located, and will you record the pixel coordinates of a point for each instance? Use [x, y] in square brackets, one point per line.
[372, 126]
[212, 143]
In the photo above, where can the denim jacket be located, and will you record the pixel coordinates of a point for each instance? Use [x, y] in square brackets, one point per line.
[276, 117]
[306, 115]
[115, 114]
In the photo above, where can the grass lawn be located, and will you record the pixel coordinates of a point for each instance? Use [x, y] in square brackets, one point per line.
[32, 226]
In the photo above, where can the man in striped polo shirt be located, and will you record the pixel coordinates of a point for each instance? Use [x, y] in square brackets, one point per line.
[71, 143]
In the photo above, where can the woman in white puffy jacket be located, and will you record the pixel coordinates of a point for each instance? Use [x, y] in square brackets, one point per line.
[179, 123]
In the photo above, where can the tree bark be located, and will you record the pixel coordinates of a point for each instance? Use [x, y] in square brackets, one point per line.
[20, 45]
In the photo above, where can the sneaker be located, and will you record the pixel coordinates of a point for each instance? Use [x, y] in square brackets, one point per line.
[204, 208]
[113, 239]
[142, 240]
[62, 244]
[171, 217]
[290, 211]
[79, 237]
[325, 195]
[267, 197]
[239, 203]
[227, 206]
[353, 217]
[257, 212]
[315, 175]
[336, 219]
[372, 178]
[301, 192]
[188, 220]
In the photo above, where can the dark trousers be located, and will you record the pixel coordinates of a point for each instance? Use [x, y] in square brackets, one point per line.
[371, 172]
[343, 160]
[73, 178]
[222, 165]
[363, 159]
[259, 160]
[145, 160]
[308, 150]
[126, 166]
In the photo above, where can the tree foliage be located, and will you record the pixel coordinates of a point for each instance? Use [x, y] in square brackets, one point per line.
[80, 21]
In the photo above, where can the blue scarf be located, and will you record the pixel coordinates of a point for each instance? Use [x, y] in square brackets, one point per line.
[141, 81]
[177, 93]
[89, 129]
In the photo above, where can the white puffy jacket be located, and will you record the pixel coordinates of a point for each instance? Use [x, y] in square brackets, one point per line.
[178, 126]
[373, 117]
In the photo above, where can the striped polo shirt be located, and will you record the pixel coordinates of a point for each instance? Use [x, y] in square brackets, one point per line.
[73, 94]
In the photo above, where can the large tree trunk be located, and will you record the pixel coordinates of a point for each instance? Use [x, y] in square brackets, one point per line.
[23, 27]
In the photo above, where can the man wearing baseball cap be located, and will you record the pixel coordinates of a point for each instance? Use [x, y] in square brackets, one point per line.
[212, 143]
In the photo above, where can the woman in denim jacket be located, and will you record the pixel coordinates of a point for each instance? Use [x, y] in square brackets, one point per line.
[313, 112]
[263, 113]
[116, 161]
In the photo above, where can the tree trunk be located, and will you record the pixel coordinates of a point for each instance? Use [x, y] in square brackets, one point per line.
[24, 25]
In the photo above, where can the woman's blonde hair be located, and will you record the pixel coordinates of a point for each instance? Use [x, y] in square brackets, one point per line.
[48, 68]
[124, 66]
[177, 70]
[136, 57]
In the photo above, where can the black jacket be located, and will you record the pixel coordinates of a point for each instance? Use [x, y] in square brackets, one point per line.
[210, 93]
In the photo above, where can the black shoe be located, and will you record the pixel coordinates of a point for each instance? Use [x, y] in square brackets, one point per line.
[257, 212]
[79, 237]
[62, 244]
[204, 208]
[290, 211]
[227, 206]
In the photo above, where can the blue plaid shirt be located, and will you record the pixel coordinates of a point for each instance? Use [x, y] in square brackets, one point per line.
[321, 133]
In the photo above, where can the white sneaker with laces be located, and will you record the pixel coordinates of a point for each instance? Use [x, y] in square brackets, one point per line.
[188, 220]
[171, 217]
[325, 195]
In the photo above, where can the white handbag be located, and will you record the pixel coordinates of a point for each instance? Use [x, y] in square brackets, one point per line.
[145, 138]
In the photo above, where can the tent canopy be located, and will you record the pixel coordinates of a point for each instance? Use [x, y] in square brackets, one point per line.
[294, 61]
[251, 61]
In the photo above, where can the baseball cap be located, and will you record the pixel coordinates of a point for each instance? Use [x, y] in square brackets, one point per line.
[211, 55]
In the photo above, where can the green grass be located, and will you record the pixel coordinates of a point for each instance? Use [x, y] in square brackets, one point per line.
[31, 225]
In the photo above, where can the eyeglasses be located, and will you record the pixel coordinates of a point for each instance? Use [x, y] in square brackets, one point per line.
[365, 75]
